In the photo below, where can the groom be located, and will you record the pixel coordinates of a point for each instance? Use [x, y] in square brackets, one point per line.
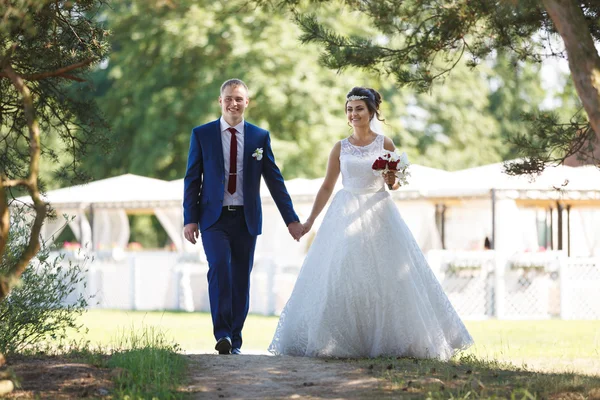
[222, 196]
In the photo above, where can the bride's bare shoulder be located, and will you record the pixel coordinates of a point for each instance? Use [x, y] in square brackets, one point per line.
[388, 144]
[337, 148]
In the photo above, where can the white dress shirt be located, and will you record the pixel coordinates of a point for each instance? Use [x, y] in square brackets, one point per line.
[237, 198]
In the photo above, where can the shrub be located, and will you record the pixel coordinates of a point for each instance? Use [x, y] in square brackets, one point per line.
[36, 308]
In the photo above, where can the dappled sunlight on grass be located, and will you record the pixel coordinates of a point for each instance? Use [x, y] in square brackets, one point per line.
[467, 376]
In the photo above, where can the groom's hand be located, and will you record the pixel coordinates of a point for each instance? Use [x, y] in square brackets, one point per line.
[296, 229]
[190, 232]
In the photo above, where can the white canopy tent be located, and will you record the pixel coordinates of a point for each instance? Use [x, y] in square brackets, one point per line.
[485, 202]
[97, 211]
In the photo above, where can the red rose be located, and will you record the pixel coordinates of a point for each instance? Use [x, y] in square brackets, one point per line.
[380, 163]
[393, 164]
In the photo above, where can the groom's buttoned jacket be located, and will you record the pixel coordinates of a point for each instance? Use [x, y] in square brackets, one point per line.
[204, 183]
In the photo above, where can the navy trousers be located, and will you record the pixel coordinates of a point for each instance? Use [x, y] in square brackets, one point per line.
[229, 249]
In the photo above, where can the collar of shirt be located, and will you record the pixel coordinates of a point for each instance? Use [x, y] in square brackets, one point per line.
[224, 126]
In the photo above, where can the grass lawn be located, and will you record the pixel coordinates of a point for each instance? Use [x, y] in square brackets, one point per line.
[552, 345]
[192, 331]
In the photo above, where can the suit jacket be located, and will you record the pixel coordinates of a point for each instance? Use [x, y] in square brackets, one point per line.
[204, 183]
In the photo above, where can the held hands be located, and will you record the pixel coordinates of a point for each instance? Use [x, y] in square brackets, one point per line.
[296, 230]
[190, 232]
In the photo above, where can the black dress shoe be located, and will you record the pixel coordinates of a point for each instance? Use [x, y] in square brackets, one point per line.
[236, 350]
[223, 345]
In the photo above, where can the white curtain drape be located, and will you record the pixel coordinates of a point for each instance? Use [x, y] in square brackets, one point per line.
[82, 229]
[171, 220]
[52, 228]
[468, 224]
[111, 229]
[77, 221]
[516, 228]
[585, 232]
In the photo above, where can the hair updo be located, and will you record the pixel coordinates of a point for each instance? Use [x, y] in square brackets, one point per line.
[373, 99]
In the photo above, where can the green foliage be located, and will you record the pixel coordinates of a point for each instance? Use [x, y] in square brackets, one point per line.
[164, 73]
[458, 131]
[516, 89]
[148, 365]
[549, 141]
[38, 40]
[169, 59]
[419, 42]
[35, 310]
[166, 68]
[147, 230]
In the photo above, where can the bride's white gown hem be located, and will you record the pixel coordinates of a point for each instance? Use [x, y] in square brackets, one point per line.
[365, 288]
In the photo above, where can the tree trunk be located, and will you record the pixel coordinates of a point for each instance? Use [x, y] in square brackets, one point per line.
[31, 184]
[584, 61]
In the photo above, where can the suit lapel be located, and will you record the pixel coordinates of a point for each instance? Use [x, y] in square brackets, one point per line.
[248, 134]
[219, 147]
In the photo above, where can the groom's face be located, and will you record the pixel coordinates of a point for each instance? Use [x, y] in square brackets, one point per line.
[233, 101]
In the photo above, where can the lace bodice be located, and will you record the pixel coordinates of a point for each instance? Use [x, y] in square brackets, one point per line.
[355, 164]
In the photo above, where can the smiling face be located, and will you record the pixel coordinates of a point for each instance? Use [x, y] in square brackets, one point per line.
[233, 101]
[358, 113]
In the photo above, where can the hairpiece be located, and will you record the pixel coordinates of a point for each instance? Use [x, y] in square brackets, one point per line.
[355, 97]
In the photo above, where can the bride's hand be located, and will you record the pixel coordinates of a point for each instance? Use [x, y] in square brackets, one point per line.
[390, 178]
[307, 225]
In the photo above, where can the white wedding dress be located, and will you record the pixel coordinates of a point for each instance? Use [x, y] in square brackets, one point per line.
[365, 288]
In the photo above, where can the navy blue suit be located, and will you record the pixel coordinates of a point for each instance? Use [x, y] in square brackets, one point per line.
[229, 238]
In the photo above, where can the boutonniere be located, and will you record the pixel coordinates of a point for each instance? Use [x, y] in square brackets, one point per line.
[258, 154]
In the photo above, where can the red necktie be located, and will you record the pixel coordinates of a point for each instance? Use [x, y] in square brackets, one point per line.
[232, 161]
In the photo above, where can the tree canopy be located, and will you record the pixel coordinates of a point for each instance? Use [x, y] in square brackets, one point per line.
[50, 45]
[165, 70]
[44, 46]
[419, 42]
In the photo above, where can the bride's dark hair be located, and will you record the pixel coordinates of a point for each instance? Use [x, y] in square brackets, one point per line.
[373, 99]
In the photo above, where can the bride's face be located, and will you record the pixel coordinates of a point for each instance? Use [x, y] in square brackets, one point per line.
[358, 113]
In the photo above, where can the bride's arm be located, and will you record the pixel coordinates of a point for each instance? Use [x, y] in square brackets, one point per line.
[388, 144]
[333, 171]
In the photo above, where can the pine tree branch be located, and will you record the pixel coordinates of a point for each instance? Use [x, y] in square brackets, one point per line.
[61, 72]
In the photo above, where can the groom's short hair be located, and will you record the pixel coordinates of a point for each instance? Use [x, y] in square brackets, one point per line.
[233, 83]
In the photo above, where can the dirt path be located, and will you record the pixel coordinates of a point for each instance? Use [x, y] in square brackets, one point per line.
[269, 377]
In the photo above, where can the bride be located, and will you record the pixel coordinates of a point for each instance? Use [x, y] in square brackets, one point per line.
[365, 288]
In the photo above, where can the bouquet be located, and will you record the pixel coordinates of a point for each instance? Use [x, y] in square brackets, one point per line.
[392, 161]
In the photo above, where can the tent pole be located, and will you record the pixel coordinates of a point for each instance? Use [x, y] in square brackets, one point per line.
[559, 209]
[92, 238]
[569, 230]
[551, 228]
[444, 226]
[493, 241]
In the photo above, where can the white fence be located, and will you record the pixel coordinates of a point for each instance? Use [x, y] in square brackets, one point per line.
[480, 285]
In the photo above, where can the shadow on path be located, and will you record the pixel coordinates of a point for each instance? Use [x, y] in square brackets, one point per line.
[277, 377]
